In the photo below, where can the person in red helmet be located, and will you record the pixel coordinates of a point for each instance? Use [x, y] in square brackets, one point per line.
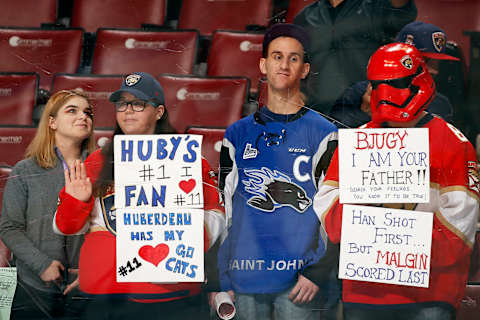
[401, 90]
[401, 85]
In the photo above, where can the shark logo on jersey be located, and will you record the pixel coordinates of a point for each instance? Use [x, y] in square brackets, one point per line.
[274, 189]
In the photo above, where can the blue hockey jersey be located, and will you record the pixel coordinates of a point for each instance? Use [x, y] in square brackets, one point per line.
[270, 167]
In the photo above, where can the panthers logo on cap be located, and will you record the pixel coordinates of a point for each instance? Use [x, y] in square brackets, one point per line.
[409, 39]
[407, 62]
[438, 39]
[132, 79]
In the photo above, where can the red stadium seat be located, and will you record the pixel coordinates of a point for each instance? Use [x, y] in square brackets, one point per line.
[236, 54]
[207, 15]
[14, 142]
[294, 8]
[262, 93]
[474, 275]
[470, 306]
[127, 51]
[102, 136]
[207, 102]
[98, 88]
[211, 145]
[93, 14]
[5, 254]
[19, 93]
[28, 13]
[45, 52]
[4, 173]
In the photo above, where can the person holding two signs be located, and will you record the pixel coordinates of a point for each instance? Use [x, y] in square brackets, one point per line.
[401, 90]
[86, 206]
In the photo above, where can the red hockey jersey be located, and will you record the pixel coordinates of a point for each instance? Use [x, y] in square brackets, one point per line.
[454, 199]
[97, 265]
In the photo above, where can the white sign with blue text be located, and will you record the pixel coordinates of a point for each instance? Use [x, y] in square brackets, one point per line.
[384, 165]
[386, 245]
[159, 208]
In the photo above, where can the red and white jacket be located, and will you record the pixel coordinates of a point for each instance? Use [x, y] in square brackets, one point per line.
[454, 199]
[97, 265]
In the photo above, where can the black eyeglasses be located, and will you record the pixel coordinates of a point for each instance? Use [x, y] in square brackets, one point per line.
[137, 105]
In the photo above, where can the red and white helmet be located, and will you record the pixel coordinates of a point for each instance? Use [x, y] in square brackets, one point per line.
[401, 84]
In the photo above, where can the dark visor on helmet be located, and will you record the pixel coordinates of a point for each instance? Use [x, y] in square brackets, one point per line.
[400, 83]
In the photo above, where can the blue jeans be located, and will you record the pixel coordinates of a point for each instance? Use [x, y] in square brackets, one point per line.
[274, 306]
[402, 313]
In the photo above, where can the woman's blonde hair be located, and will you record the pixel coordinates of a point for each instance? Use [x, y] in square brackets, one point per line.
[42, 146]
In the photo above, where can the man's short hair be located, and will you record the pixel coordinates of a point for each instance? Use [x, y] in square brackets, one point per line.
[287, 30]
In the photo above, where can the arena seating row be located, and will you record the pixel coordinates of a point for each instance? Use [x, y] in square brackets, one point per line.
[191, 100]
[121, 51]
[206, 16]
[42, 61]
[92, 14]
[15, 139]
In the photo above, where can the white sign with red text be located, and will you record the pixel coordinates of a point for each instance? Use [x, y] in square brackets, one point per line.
[386, 245]
[386, 165]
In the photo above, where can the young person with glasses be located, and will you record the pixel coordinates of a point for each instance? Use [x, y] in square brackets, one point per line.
[86, 207]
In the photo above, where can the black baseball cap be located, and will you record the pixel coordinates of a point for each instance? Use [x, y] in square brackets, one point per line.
[287, 30]
[143, 86]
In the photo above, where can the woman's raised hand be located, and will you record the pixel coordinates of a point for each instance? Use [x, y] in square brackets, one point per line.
[77, 184]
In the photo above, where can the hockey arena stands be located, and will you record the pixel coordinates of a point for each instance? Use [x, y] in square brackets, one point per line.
[4, 174]
[13, 143]
[262, 92]
[126, 51]
[18, 92]
[102, 136]
[45, 52]
[225, 15]
[5, 254]
[93, 14]
[211, 143]
[204, 101]
[204, 53]
[98, 89]
[28, 13]
[228, 48]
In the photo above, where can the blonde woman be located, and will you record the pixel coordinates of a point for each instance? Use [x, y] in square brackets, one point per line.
[43, 258]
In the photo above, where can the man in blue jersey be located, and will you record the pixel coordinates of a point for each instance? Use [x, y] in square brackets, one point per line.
[270, 166]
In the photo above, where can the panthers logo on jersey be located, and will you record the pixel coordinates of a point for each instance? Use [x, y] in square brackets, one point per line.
[273, 189]
[109, 212]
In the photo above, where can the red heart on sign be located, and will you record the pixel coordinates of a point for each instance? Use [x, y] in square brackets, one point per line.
[154, 255]
[187, 186]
